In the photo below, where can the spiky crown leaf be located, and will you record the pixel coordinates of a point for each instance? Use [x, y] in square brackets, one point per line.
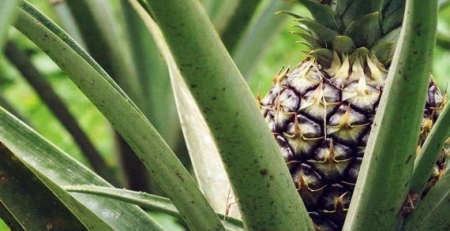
[342, 26]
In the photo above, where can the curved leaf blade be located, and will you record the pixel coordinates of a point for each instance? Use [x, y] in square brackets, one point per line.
[108, 45]
[432, 212]
[155, 82]
[105, 42]
[57, 106]
[146, 201]
[205, 157]
[7, 15]
[9, 218]
[254, 42]
[5, 104]
[206, 161]
[430, 152]
[126, 118]
[61, 169]
[154, 78]
[67, 22]
[239, 22]
[259, 177]
[385, 174]
[32, 203]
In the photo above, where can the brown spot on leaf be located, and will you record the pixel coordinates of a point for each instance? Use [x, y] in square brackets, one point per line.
[263, 172]
[409, 158]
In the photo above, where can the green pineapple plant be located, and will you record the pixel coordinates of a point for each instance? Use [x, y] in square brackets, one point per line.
[321, 112]
[357, 129]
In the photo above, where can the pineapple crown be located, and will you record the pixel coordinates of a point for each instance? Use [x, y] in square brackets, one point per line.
[358, 27]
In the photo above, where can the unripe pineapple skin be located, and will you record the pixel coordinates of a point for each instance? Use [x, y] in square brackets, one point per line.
[321, 118]
[321, 112]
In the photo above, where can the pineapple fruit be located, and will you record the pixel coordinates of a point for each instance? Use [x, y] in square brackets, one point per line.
[321, 112]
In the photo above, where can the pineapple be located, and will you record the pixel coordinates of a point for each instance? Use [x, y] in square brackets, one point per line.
[321, 112]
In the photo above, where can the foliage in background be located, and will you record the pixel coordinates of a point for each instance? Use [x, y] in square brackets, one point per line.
[282, 51]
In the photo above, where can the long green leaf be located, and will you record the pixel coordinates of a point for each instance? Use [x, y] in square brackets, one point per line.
[259, 177]
[105, 42]
[255, 41]
[68, 22]
[4, 103]
[9, 218]
[217, 9]
[33, 204]
[146, 201]
[239, 23]
[432, 212]
[383, 181]
[126, 118]
[443, 41]
[155, 82]
[61, 169]
[154, 77]
[54, 102]
[205, 157]
[210, 6]
[430, 152]
[108, 46]
[7, 15]
[223, 12]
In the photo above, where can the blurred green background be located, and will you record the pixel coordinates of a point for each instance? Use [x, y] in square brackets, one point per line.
[282, 51]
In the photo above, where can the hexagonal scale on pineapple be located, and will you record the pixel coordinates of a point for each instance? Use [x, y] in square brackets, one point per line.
[331, 159]
[309, 184]
[305, 77]
[303, 136]
[318, 104]
[347, 125]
